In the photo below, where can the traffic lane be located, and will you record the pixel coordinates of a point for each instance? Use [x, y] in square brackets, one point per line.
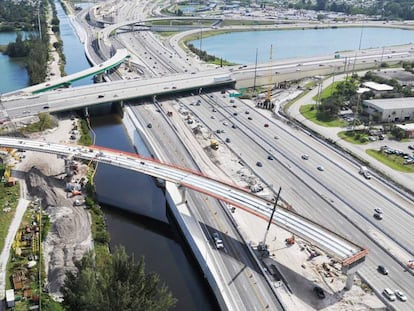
[219, 218]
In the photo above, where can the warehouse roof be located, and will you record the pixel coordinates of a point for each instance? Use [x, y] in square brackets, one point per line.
[377, 86]
[392, 103]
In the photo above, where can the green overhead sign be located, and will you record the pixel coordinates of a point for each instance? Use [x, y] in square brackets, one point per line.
[235, 94]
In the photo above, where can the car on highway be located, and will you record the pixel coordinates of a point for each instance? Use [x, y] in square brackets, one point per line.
[270, 157]
[378, 210]
[400, 295]
[320, 168]
[259, 164]
[149, 125]
[101, 96]
[250, 118]
[217, 240]
[225, 123]
[246, 112]
[234, 113]
[378, 216]
[212, 117]
[389, 294]
[381, 269]
[305, 156]
[319, 292]
[228, 140]
[46, 107]
[266, 125]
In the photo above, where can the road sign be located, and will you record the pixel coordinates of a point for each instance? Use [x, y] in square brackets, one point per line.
[235, 94]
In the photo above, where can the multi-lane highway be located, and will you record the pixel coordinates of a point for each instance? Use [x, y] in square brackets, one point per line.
[337, 197]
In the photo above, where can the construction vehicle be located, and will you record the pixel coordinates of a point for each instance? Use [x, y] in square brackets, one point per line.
[363, 170]
[214, 144]
[290, 240]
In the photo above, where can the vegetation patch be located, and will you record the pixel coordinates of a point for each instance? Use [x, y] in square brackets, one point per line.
[393, 161]
[359, 137]
[45, 122]
[311, 113]
[9, 196]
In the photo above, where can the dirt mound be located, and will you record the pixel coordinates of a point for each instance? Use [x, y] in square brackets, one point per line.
[70, 234]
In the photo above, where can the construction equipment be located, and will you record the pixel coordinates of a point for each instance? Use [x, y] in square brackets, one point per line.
[290, 240]
[214, 144]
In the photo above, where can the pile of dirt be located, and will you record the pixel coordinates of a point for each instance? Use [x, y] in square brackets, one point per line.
[70, 232]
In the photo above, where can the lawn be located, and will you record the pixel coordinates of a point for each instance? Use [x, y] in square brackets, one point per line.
[327, 92]
[393, 161]
[8, 199]
[309, 112]
[355, 137]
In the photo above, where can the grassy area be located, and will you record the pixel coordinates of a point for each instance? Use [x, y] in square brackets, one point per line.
[327, 92]
[85, 136]
[45, 122]
[8, 199]
[359, 137]
[310, 113]
[242, 22]
[391, 160]
[187, 22]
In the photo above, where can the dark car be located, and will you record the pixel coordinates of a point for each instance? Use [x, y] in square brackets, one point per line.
[378, 216]
[259, 164]
[149, 125]
[319, 292]
[100, 96]
[382, 270]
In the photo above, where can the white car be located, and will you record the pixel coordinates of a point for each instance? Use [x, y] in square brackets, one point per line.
[217, 240]
[320, 168]
[389, 294]
[400, 295]
[305, 156]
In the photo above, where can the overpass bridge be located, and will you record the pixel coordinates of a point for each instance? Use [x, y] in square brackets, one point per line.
[348, 253]
[120, 56]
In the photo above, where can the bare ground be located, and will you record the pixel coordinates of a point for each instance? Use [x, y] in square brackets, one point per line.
[70, 232]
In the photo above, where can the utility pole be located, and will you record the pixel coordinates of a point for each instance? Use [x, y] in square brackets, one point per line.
[255, 72]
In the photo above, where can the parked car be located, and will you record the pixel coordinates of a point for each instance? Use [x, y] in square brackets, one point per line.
[381, 269]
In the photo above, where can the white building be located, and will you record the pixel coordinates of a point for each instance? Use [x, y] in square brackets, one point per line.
[378, 87]
[390, 109]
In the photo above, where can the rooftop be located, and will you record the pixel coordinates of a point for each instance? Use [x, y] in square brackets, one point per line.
[377, 86]
[392, 103]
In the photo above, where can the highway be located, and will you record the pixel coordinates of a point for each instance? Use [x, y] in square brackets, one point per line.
[338, 197]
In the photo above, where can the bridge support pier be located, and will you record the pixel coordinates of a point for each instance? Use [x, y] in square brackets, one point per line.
[99, 78]
[68, 172]
[349, 280]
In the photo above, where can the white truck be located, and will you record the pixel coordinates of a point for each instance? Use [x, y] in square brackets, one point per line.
[363, 170]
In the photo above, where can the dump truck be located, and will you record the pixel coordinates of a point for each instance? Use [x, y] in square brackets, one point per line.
[363, 170]
[214, 144]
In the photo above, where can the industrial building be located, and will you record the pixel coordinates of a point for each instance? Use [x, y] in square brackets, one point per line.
[390, 109]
